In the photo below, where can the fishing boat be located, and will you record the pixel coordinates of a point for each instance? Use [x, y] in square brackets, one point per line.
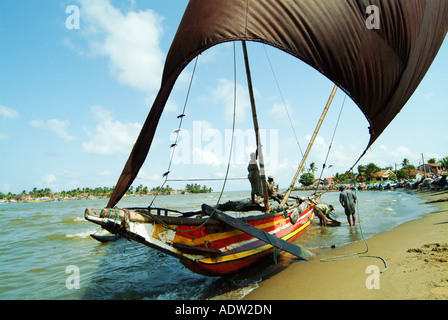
[214, 246]
[377, 52]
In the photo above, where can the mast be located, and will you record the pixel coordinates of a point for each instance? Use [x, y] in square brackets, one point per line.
[424, 166]
[308, 149]
[257, 131]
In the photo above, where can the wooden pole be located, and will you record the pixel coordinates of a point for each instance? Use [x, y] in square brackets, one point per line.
[257, 131]
[424, 167]
[308, 149]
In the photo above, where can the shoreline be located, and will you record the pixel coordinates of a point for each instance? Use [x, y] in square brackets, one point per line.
[92, 197]
[416, 253]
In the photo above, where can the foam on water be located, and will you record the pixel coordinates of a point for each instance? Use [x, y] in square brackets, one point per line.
[81, 235]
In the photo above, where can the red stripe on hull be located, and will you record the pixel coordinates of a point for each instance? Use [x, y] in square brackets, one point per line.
[224, 242]
[223, 268]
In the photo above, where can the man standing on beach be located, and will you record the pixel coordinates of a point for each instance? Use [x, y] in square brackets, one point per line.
[348, 201]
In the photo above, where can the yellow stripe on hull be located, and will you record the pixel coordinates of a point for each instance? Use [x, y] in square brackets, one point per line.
[244, 254]
[210, 237]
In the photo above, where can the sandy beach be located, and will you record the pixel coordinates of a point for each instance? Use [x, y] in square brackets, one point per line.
[416, 254]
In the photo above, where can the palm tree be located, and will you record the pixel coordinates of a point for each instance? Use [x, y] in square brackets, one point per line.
[338, 178]
[312, 168]
[371, 169]
[407, 166]
[405, 162]
[444, 163]
[362, 172]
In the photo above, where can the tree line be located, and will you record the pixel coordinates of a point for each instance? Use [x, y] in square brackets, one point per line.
[367, 172]
[48, 193]
[99, 192]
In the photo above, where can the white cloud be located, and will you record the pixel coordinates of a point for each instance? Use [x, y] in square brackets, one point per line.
[5, 188]
[148, 179]
[206, 157]
[130, 41]
[224, 94]
[110, 137]
[278, 112]
[8, 113]
[105, 173]
[47, 181]
[49, 178]
[171, 106]
[382, 156]
[56, 126]
[428, 95]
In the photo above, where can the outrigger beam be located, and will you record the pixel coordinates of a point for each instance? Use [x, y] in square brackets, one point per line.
[296, 250]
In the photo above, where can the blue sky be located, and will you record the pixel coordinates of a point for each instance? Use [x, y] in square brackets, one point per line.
[72, 102]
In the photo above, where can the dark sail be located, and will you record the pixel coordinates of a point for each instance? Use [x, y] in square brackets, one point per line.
[378, 68]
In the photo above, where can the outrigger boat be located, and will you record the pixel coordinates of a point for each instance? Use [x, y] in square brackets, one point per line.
[215, 246]
[377, 54]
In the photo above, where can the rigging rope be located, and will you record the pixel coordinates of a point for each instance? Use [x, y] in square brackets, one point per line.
[284, 103]
[207, 179]
[230, 154]
[233, 123]
[231, 146]
[181, 117]
[358, 254]
[331, 144]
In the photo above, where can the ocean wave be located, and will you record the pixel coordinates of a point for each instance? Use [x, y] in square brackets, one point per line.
[82, 235]
[237, 294]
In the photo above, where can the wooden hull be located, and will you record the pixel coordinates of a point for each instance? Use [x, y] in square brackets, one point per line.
[205, 246]
[241, 258]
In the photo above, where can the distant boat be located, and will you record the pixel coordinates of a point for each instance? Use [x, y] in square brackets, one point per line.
[378, 65]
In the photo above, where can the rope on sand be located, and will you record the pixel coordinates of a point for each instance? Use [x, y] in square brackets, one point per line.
[359, 254]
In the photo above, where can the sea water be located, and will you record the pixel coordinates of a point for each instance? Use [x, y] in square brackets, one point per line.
[46, 251]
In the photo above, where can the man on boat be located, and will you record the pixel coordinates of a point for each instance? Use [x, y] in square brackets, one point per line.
[348, 200]
[273, 189]
[322, 211]
[254, 177]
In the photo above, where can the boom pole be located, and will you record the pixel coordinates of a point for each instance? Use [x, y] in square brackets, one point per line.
[308, 149]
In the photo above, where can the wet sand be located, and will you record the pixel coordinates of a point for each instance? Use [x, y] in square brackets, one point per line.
[416, 254]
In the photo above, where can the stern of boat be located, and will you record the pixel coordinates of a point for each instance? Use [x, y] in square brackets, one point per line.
[137, 226]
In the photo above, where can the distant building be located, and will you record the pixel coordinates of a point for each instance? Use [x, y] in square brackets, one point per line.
[413, 173]
[383, 175]
[326, 182]
[431, 169]
[329, 181]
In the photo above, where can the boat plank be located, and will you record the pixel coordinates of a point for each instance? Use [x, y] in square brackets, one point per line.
[296, 250]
